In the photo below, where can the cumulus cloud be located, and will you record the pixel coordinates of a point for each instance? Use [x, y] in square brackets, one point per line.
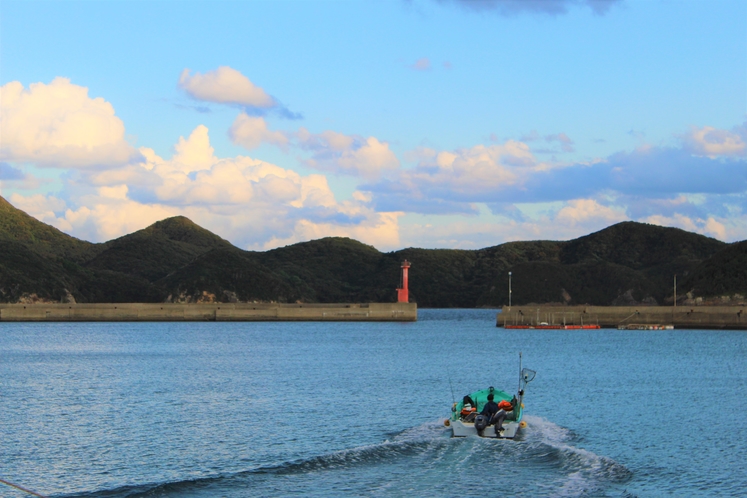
[225, 85]
[452, 180]
[585, 212]
[41, 207]
[347, 154]
[712, 142]
[381, 231]
[654, 184]
[59, 125]
[548, 7]
[648, 172]
[253, 203]
[194, 153]
[112, 189]
[330, 151]
[568, 221]
[110, 213]
[250, 132]
[708, 226]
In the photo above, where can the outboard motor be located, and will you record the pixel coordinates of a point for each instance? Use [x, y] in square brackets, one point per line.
[481, 422]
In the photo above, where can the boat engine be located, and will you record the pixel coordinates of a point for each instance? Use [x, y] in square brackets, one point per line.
[481, 422]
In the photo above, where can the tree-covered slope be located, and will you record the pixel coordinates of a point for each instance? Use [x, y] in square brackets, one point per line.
[177, 260]
[43, 239]
[723, 274]
[228, 274]
[639, 246]
[156, 251]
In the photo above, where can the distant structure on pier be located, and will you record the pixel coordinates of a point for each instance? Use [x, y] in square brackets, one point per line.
[403, 294]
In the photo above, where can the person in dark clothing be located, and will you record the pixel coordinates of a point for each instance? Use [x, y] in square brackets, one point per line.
[490, 409]
[504, 410]
[496, 414]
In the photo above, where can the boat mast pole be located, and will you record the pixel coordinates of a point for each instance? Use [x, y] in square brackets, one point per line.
[519, 391]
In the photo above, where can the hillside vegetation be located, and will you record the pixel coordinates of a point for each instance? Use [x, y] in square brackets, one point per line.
[175, 260]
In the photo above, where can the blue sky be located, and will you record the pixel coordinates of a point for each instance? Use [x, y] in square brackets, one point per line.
[420, 123]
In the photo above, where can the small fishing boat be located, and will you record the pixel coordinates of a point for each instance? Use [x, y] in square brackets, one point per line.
[466, 418]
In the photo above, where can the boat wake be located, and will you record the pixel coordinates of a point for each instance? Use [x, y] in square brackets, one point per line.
[422, 460]
[584, 473]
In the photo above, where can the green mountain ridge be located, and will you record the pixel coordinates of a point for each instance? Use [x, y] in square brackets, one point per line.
[156, 251]
[175, 260]
[45, 240]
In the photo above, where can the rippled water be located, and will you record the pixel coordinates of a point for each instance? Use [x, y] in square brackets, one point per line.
[261, 409]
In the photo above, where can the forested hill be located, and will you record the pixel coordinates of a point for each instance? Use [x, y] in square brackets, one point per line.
[176, 260]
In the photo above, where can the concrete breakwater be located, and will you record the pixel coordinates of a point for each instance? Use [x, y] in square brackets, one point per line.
[237, 312]
[684, 317]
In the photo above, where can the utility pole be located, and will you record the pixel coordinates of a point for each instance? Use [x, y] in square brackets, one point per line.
[509, 291]
[675, 290]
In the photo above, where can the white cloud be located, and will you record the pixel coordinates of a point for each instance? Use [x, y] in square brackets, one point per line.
[709, 226]
[348, 154]
[712, 142]
[571, 220]
[113, 189]
[715, 228]
[111, 214]
[252, 203]
[331, 151]
[250, 132]
[59, 125]
[381, 231]
[41, 207]
[194, 153]
[475, 174]
[588, 212]
[225, 85]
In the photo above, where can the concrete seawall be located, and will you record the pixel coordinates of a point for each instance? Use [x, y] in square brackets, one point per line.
[239, 312]
[683, 317]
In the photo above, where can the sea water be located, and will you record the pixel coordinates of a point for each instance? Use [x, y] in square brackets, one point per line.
[357, 409]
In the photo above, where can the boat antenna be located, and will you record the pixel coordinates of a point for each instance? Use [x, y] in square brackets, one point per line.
[520, 376]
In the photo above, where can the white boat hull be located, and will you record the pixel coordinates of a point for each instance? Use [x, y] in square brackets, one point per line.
[464, 429]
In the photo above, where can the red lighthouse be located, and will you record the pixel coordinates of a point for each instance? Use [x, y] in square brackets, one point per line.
[403, 294]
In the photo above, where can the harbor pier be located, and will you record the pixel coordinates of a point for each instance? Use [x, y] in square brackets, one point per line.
[681, 317]
[216, 312]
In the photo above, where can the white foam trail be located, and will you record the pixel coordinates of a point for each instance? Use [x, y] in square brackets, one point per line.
[427, 430]
[590, 467]
[543, 430]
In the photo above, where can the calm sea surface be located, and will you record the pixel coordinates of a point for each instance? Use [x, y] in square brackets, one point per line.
[357, 409]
